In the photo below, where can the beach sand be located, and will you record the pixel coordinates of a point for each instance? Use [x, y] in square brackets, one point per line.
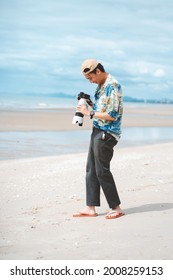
[39, 195]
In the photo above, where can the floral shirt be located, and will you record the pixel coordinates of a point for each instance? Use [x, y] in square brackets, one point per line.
[109, 99]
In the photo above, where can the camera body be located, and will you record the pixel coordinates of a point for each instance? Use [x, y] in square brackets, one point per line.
[84, 99]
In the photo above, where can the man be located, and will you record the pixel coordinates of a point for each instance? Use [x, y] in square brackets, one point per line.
[106, 114]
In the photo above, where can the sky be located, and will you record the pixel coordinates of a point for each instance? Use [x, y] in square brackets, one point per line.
[44, 42]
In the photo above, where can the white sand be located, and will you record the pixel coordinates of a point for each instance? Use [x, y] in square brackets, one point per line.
[38, 197]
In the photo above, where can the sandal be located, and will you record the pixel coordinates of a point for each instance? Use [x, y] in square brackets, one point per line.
[113, 214]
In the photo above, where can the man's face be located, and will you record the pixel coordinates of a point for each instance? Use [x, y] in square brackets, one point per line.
[93, 78]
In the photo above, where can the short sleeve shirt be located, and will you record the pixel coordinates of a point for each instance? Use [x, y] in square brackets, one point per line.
[108, 99]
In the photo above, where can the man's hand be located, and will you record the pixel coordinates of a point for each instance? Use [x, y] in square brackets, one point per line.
[83, 109]
[90, 103]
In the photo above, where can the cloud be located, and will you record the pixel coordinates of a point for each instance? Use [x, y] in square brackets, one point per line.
[50, 39]
[144, 69]
[159, 73]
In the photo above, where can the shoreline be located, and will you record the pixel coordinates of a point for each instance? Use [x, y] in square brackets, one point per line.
[25, 144]
[44, 132]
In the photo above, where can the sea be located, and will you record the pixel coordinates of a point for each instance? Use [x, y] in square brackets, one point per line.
[36, 101]
[15, 145]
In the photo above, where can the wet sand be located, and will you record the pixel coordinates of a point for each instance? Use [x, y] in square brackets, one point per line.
[61, 119]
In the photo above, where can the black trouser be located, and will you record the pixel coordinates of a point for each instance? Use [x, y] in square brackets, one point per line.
[98, 170]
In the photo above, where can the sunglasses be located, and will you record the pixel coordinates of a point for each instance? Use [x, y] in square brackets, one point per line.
[86, 70]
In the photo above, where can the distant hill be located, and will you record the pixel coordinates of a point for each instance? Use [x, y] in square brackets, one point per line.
[153, 101]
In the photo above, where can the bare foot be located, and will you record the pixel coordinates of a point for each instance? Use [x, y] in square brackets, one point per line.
[114, 213]
[88, 211]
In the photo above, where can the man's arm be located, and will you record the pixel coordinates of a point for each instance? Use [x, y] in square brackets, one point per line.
[98, 115]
